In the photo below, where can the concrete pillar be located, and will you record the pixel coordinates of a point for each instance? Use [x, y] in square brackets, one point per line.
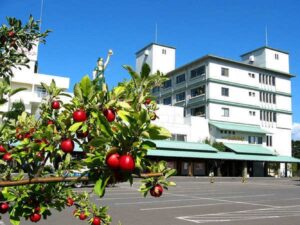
[245, 169]
[285, 169]
[191, 164]
[266, 169]
[233, 168]
[219, 174]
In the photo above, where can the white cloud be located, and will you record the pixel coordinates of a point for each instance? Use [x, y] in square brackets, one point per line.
[296, 131]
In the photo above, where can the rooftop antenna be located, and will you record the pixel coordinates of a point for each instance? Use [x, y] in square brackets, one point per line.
[266, 34]
[156, 33]
[41, 14]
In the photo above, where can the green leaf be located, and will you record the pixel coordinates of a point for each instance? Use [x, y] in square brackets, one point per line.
[123, 105]
[158, 133]
[123, 115]
[133, 74]
[170, 173]
[78, 92]
[148, 145]
[85, 85]
[75, 126]
[100, 185]
[145, 70]
[14, 91]
[15, 220]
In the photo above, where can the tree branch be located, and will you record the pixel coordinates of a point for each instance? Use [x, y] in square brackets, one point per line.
[43, 180]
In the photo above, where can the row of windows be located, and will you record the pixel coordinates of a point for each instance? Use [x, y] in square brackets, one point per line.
[252, 113]
[178, 137]
[269, 140]
[267, 79]
[198, 111]
[268, 116]
[227, 132]
[200, 71]
[267, 97]
[181, 96]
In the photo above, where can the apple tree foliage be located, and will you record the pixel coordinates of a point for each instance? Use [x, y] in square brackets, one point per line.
[28, 143]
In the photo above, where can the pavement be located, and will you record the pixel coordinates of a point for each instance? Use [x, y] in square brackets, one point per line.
[228, 201]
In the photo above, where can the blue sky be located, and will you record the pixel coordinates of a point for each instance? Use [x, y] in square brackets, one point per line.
[85, 30]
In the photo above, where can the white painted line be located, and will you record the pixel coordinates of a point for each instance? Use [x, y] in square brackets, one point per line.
[182, 206]
[157, 201]
[252, 214]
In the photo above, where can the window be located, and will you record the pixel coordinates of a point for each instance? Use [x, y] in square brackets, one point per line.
[180, 97]
[167, 101]
[198, 111]
[164, 51]
[225, 112]
[225, 72]
[180, 78]
[259, 140]
[252, 75]
[167, 84]
[273, 81]
[274, 98]
[251, 93]
[251, 139]
[269, 140]
[155, 90]
[198, 71]
[276, 56]
[178, 137]
[260, 78]
[252, 113]
[225, 91]
[197, 91]
[41, 92]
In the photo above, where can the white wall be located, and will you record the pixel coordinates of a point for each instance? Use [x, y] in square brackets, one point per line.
[156, 59]
[281, 64]
[236, 114]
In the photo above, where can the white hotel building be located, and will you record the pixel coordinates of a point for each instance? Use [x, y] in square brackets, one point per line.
[244, 104]
[30, 79]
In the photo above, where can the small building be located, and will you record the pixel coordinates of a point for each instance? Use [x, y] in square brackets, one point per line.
[246, 105]
[30, 79]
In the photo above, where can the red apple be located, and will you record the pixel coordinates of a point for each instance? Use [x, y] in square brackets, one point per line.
[49, 122]
[4, 207]
[55, 105]
[127, 163]
[27, 135]
[82, 216]
[156, 191]
[70, 201]
[79, 115]
[113, 161]
[80, 134]
[11, 33]
[147, 101]
[7, 157]
[67, 145]
[2, 149]
[35, 217]
[20, 136]
[96, 220]
[109, 114]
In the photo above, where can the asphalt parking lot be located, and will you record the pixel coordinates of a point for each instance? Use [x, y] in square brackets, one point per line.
[260, 201]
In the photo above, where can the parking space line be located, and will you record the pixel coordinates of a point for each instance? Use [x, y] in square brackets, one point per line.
[183, 206]
[252, 214]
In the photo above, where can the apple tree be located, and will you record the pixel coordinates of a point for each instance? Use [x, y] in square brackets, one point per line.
[113, 128]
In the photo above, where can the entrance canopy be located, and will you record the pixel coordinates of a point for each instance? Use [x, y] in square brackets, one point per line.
[181, 149]
[237, 127]
[249, 149]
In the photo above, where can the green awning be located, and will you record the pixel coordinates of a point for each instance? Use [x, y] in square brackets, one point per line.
[184, 146]
[249, 149]
[221, 156]
[238, 127]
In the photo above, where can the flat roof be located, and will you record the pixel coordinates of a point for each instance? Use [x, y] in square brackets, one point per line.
[183, 146]
[278, 50]
[152, 43]
[209, 56]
